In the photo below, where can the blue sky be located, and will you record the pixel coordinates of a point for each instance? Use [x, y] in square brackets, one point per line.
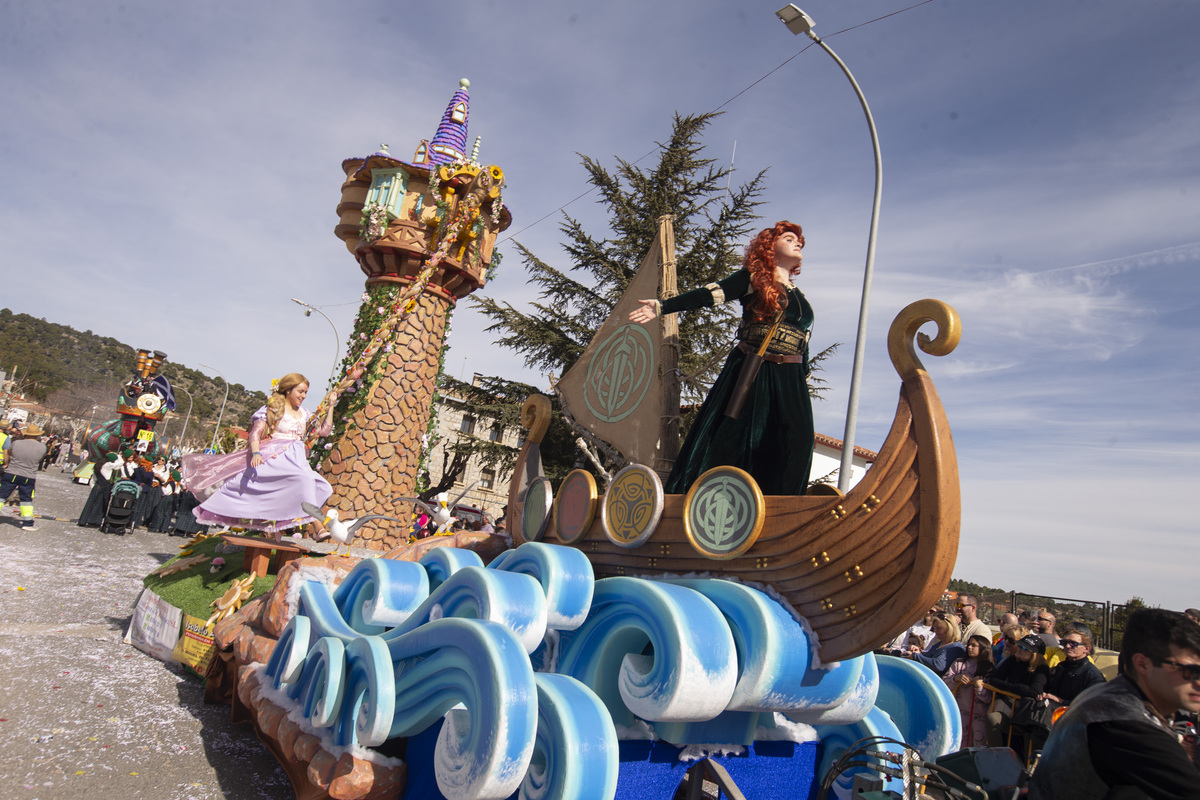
[170, 174]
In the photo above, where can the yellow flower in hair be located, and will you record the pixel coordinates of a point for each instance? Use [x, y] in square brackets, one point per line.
[274, 385]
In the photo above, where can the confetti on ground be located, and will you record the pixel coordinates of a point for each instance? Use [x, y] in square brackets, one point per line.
[87, 584]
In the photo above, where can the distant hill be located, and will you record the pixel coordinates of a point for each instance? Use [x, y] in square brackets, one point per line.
[71, 371]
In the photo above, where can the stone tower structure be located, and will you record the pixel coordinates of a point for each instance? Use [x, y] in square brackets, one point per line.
[423, 233]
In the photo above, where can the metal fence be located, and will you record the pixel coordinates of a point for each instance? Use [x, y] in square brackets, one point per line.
[1105, 619]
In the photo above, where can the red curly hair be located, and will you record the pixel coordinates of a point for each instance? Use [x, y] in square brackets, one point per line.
[760, 262]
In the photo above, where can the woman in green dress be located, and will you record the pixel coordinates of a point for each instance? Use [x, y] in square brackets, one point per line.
[772, 436]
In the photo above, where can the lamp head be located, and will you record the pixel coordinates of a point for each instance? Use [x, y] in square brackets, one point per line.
[308, 312]
[796, 20]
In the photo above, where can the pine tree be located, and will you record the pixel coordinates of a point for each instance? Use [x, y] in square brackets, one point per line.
[711, 225]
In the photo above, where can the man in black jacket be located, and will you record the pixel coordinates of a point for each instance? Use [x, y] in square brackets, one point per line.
[1075, 672]
[1116, 739]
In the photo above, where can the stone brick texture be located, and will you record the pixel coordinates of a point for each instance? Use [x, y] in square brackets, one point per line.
[377, 460]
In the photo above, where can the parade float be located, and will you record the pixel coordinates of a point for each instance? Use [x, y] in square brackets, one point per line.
[859, 567]
[143, 403]
[627, 640]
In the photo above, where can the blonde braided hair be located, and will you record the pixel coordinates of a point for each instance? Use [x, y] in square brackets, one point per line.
[277, 402]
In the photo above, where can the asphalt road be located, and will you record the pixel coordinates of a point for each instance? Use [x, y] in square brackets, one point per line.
[83, 715]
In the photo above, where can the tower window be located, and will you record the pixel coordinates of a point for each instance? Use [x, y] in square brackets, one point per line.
[387, 189]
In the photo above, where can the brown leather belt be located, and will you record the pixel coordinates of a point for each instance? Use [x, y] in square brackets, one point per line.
[788, 340]
[774, 358]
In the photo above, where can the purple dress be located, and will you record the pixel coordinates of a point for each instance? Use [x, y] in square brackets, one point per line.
[267, 498]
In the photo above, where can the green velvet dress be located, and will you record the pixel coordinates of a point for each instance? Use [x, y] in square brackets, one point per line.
[772, 438]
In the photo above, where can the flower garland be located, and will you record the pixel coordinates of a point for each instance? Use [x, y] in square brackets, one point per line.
[430, 438]
[374, 222]
[367, 340]
[384, 307]
[376, 301]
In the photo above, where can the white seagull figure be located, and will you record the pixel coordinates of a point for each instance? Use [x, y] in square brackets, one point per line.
[342, 532]
[441, 514]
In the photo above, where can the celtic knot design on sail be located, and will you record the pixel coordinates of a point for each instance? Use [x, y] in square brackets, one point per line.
[619, 374]
[723, 514]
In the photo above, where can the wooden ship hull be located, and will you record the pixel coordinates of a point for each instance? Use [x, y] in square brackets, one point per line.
[859, 568]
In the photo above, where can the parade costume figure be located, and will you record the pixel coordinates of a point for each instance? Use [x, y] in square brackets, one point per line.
[164, 513]
[113, 469]
[22, 452]
[149, 496]
[185, 515]
[772, 436]
[261, 488]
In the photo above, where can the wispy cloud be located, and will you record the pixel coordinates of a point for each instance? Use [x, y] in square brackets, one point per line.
[171, 174]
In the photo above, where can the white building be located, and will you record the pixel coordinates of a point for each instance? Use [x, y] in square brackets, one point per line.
[490, 494]
[827, 461]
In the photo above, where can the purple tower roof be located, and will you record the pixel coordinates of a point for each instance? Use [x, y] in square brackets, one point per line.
[450, 142]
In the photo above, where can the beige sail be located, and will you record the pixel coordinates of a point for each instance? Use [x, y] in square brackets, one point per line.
[615, 389]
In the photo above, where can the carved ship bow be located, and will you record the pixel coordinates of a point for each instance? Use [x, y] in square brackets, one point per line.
[860, 568]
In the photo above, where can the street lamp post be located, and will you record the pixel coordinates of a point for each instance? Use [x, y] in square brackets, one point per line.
[798, 22]
[213, 444]
[186, 418]
[337, 339]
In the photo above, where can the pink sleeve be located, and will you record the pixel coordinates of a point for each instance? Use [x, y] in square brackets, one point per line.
[258, 423]
[256, 430]
[326, 427]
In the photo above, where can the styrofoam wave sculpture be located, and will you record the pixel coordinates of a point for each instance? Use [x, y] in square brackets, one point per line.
[398, 646]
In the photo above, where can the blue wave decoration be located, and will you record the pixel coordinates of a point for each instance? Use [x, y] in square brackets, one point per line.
[399, 646]
[368, 700]
[921, 705]
[575, 750]
[318, 606]
[772, 649]
[291, 650]
[654, 650]
[566, 577]
[380, 593]
[477, 675]
[512, 600]
[320, 688]
[840, 693]
[442, 562]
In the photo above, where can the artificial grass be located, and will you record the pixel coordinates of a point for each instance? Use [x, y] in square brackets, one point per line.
[194, 589]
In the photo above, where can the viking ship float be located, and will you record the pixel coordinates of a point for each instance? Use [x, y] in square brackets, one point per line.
[859, 567]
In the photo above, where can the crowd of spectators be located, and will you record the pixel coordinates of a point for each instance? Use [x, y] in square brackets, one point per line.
[1034, 687]
[164, 504]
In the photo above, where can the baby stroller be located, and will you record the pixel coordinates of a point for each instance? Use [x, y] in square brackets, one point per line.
[119, 514]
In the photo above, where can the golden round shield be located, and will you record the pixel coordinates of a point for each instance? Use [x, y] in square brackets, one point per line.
[632, 506]
[723, 513]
